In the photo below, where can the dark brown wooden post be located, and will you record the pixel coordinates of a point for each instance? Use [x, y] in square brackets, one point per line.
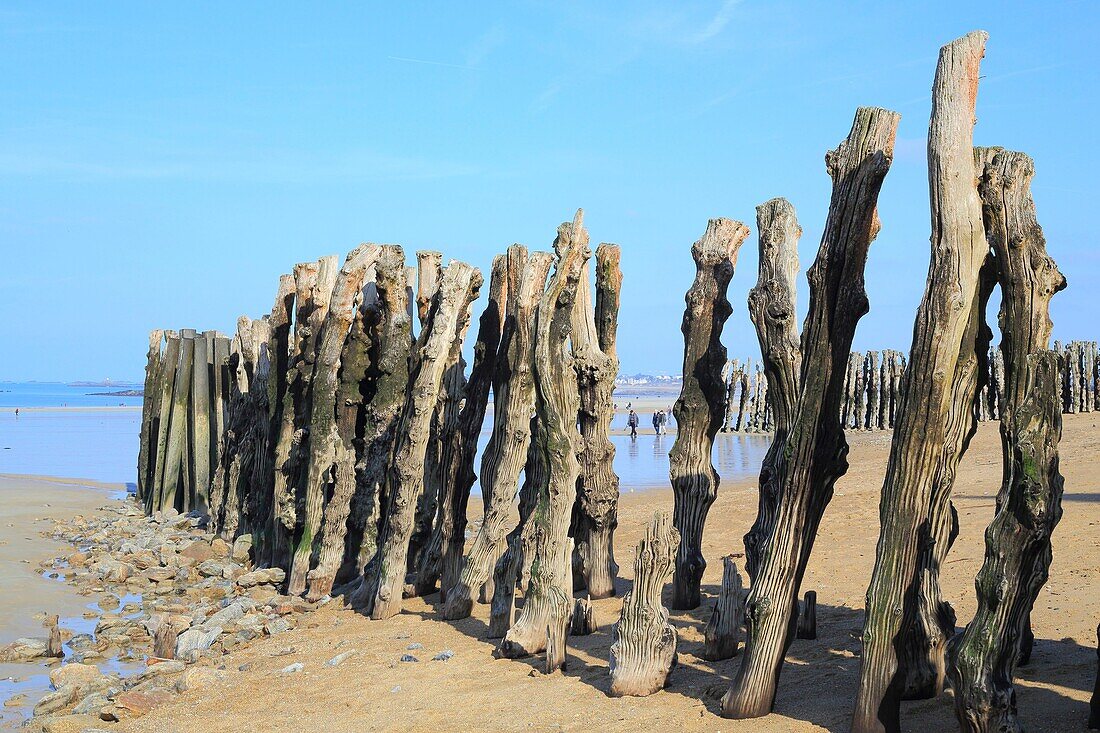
[698, 410]
[147, 440]
[722, 635]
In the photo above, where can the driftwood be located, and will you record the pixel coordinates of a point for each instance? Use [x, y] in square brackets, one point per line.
[772, 309]
[597, 365]
[814, 455]
[506, 452]
[722, 636]
[930, 432]
[1018, 550]
[441, 559]
[405, 478]
[644, 651]
[548, 602]
[698, 411]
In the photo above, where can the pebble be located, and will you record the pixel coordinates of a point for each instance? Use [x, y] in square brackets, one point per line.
[408, 658]
[414, 645]
[292, 668]
[340, 658]
[443, 656]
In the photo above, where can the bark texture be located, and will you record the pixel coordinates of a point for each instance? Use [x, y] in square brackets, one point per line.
[549, 599]
[644, 651]
[932, 412]
[814, 454]
[506, 452]
[772, 307]
[698, 411]
[405, 478]
[597, 365]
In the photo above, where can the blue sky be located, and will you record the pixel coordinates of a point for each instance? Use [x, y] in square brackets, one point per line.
[161, 164]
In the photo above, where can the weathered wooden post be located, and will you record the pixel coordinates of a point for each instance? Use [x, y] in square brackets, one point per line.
[177, 454]
[807, 618]
[166, 383]
[814, 455]
[597, 365]
[932, 414]
[442, 558]
[389, 321]
[506, 452]
[698, 410]
[147, 444]
[873, 387]
[772, 307]
[164, 640]
[54, 648]
[405, 478]
[200, 426]
[323, 432]
[1018, 550]
[542, 623]
[743, 401]
[644, 651]
[722, 635]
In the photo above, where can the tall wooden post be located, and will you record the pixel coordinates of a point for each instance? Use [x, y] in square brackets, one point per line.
[698, 410]
[815, 453]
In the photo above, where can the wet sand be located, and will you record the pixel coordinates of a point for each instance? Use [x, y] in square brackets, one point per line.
[374, 691]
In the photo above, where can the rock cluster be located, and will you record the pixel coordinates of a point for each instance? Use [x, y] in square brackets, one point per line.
[149, 572]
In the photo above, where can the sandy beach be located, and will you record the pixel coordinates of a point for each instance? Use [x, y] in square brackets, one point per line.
[372, 690]
[27, 506]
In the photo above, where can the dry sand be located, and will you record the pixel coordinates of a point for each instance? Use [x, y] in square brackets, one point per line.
[474, 691]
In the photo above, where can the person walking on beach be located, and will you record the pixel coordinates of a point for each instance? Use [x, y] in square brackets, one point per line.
[632, 423]
[657, 422]
[662, 420]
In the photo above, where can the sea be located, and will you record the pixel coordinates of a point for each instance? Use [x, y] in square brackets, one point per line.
[68, 431]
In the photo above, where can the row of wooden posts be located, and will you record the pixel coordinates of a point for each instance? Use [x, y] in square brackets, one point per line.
[349, 447]
[872, 386]
[183, 418]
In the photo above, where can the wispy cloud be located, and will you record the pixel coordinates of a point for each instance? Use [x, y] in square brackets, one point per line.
[717, 24]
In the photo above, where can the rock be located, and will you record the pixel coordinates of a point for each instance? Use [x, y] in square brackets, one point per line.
[70, 723]
[193, 641]
[135, 703]
[198, 550]
[198, 678]
[56, 701]
[443, 656]
[214, 568]
[153, 671]
[222, 618]
[246, 667]
[17, 700]
[415, 645]
[242, 549]
[75, 675]
[159, 575]
[219, 547]
[259, 577]
[340, 658]
[92, 704]
[409, 658]
[23, 650]
[77, 559]
[292, 668]
[276, 626]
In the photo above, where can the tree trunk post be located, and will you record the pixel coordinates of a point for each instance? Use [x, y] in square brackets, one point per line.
[510, 441]
[644, 651]
[319, 470]
[443, 558]
[930, 408]
[815, 453]
[164, 640]
[405, 478]
[549, 598]
[200, 423]
[1018, 552]
[597, 365]
[177, 460]
[698, 410]
[722, 635]
[583, 620]
[772, 307]
[389, 321]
